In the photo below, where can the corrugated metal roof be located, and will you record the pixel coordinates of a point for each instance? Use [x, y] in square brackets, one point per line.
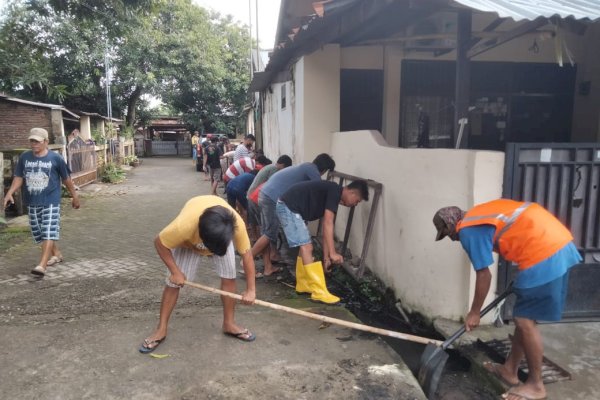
[38, 104]
[532, 9]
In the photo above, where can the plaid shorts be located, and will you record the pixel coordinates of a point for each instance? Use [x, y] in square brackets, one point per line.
[44, 222]
[188, 261]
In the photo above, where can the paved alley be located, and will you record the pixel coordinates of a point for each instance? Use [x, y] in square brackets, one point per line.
[75, 333]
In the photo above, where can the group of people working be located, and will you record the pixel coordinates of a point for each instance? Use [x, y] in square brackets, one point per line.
[286, 196]
[283, 196]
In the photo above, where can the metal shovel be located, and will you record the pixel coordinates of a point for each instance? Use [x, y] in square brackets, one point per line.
[434, 357]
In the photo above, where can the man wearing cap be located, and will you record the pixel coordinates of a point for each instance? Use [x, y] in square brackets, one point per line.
[529, 236]
[42, 171]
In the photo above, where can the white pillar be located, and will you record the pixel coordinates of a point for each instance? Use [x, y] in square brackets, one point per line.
[321, 100]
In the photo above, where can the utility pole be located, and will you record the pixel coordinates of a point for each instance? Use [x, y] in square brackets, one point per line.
[250, 35]
[108, 77]
[257, 40]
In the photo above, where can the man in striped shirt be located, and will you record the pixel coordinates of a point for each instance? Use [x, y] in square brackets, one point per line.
[244, 149]
[245, 164]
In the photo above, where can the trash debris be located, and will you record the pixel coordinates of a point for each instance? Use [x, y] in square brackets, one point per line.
[159, 356]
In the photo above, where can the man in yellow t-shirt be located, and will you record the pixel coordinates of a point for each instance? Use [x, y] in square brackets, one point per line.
[206, 226]
[195, 140]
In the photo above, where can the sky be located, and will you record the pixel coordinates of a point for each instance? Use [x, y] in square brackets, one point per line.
[268, 13]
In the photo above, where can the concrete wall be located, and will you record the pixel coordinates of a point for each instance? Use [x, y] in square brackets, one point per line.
[57, 134]
[434, 278]
[16, 119]
[85, 127]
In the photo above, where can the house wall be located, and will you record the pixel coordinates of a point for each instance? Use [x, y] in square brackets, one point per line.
[320, 115]
[302, 129]
[278, 123]
[16, 119]
[429, 277]
[434, 278]
[389, 57]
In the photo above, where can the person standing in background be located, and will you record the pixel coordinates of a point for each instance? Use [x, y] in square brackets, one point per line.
[42, 171]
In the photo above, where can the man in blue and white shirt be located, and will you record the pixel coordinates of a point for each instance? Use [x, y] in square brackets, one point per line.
[42, 171]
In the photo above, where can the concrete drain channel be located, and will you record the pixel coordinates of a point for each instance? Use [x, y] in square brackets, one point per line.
[498, 350]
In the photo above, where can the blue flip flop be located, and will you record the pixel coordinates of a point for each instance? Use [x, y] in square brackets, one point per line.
[145, 347]
[244, 336]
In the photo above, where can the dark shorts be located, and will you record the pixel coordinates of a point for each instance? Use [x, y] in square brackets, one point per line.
[253, 214]
[542, 303]
[234, 196]
[269, 223]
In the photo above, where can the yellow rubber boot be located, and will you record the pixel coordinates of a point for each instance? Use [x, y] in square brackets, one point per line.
[316, 279]
[302, 283]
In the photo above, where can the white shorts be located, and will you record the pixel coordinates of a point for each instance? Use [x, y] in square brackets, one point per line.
[188, 261]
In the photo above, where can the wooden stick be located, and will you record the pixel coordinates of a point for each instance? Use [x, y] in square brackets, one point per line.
[322, 318]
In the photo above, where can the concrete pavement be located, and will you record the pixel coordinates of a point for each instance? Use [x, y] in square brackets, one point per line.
[571, 345]
[75, 333]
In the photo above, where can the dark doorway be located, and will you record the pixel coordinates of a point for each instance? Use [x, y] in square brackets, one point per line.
[361, 99]
[510, 102]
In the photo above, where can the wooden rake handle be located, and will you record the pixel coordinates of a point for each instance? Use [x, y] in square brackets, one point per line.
[322, 318]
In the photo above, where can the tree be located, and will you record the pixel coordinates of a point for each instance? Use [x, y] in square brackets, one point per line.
[212, 84]
[195, 61]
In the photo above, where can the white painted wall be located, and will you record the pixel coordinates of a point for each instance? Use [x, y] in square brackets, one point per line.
[319, 114]
[312, 113]
[278, 124]
[434, 278]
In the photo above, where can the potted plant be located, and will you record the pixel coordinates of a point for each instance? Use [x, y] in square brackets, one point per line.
[132, 160]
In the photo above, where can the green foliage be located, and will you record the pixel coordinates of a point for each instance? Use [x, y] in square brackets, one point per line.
[368, 286]
[54, 51]
[13, 236]
[112, 173]
[130, 159]
[98, 137]
[128, 132]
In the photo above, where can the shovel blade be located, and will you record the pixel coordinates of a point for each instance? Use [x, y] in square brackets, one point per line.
[432, 365]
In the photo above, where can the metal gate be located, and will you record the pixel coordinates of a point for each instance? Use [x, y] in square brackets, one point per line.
[170, 148]
[565, 179]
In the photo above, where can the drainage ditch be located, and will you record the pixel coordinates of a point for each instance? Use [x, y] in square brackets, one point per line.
[376, 308]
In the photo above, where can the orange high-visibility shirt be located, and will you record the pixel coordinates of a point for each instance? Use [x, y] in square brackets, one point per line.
[526, 233]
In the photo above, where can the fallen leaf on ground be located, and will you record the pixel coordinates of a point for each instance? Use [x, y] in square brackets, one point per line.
[153, 355]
